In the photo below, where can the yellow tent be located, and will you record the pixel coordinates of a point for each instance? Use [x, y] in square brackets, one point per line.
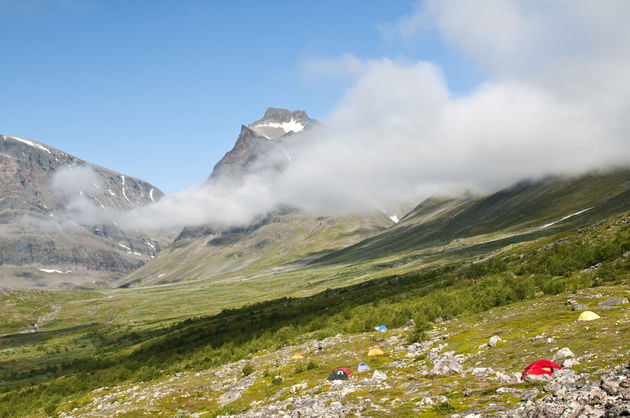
[375, 351]
[296, 356]
[588, 316]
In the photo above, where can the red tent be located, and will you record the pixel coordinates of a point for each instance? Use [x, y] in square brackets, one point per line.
[345, 370]
[541, 367]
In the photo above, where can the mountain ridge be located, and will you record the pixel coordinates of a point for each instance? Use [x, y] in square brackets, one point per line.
[41, 242]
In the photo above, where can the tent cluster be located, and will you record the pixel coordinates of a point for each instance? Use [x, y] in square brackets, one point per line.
[547, 367]
[342, 373]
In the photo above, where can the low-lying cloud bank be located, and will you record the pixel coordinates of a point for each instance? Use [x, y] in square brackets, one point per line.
[555, 101]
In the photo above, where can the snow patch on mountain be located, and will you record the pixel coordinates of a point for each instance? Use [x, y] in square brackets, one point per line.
[28, 142]
[565, 218]
[291, 126]
[51, 271]
[394, 218]
[123, 189]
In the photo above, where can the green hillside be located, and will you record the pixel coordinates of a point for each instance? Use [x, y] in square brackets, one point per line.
[82, 348]
[200, 318]
[278, 243]
[526, 206]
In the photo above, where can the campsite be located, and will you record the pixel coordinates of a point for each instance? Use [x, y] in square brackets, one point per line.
[401, 382]
[412, 208]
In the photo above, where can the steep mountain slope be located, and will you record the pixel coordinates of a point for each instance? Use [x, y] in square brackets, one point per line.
[281, 240]
[40, 242]
[525, 207]
[263, 144]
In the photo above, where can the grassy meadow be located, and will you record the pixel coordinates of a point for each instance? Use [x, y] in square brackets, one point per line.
[98, 338]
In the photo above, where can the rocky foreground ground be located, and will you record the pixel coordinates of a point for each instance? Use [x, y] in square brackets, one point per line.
[467, 367]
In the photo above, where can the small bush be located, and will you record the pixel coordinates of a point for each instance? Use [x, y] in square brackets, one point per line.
[277, 380]
[311, 365]
[248, 369]
[51, 409]
[417, 335]
[443, 408]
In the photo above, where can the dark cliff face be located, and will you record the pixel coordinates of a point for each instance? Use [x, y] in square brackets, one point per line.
[33, 229]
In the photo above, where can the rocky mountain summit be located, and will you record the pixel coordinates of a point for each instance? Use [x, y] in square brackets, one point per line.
[264, 144]
[41, 241]
[283, 238]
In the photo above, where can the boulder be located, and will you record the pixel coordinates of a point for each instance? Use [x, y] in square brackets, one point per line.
[482, 371]
[507, 378]
[530, 395]
[446, 364]
[537, 378]
[612, 302]
[378, 375]
[562, 380]
[494, 340]
[579, 307]
[570, 362]
[562, 353]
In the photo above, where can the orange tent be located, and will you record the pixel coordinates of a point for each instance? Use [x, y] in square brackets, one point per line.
[375, 351]
[296, 356]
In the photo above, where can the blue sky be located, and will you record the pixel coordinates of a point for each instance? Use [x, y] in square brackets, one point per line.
[158, 89]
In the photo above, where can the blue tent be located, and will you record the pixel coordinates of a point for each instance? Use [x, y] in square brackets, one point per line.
[363, 366]
[381, 328]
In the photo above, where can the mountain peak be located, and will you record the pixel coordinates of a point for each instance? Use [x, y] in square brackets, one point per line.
[276, 114]
[278, 122]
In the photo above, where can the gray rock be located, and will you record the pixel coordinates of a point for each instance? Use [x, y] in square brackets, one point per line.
[537, 378]
[562, 353]
[562, 379]
[446, 364]
[579, 307]
[571, 398]
[570, 362]
[530, 395]
[482, 371]
[494, 340]
[612, 302]
[611, 387]
[507, 378]
[411, 323]
[378, 375]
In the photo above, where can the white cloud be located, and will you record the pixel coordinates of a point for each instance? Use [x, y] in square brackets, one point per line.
[555, 100]
[71, 181]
